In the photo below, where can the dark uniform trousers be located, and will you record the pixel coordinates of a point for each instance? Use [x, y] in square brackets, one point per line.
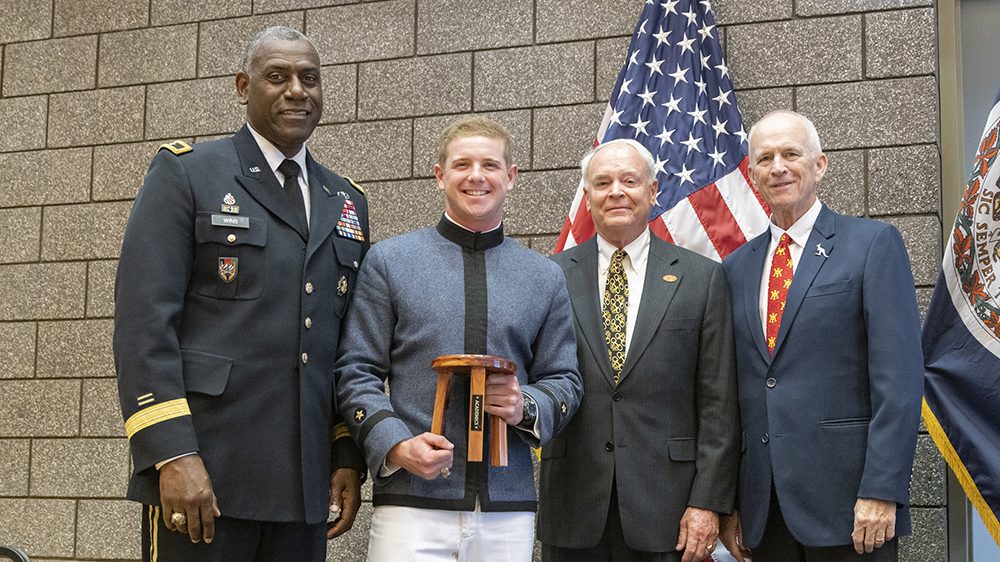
[236, 540]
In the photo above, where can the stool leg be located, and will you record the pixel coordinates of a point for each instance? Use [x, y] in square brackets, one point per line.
[498, 441]
[477, 413]
[440, 402]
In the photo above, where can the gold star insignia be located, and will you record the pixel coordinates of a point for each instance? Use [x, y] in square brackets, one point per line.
[359, 414]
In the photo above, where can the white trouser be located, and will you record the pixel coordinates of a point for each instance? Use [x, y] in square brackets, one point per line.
[416, 534]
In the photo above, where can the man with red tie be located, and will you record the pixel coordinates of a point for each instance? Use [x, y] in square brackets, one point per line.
[829, 366]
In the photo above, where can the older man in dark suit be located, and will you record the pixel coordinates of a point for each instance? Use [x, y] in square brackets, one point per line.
[238, 262]
[829, 363]
[649, 461]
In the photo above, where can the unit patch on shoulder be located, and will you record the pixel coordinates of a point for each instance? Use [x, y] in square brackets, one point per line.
[355, 184]
[177, 147]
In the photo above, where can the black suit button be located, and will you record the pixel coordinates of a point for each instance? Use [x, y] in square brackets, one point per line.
[771, 382]
[765, 439]
[609, 446]
[616, 396]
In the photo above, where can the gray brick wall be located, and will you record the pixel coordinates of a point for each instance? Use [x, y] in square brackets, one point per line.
[90, 88]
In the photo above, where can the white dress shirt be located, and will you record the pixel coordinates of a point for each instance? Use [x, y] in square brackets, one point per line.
[635, 271]
[799, 233]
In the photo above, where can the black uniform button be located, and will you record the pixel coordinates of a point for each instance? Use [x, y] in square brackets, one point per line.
[616, 396]
[765, 439]
[609, 446]
[771, 382]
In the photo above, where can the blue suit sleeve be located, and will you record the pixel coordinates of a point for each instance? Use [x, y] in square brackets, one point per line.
[895, 368]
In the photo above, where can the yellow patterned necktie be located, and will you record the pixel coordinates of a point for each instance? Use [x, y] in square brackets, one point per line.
[615, 312]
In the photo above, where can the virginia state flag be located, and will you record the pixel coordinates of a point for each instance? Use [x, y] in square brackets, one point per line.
[961, 338]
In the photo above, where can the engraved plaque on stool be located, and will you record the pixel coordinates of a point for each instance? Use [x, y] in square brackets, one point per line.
[477, 367]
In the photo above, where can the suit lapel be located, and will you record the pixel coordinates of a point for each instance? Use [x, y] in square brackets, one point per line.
[751, 295]
[581, 281]
[256, 177]
[809, 265]
[657, 293]
[326, 207]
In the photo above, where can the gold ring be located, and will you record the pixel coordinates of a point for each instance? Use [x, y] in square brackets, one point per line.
[178, 519]
[445, 472]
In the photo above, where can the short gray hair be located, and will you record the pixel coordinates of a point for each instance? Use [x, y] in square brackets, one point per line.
[647, 158]
[279, 32]
[812, 136]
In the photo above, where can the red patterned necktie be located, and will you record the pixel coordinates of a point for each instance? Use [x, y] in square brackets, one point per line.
[778, 283]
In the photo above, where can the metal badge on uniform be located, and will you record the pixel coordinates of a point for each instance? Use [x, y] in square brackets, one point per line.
[360, 414]
[229, 205]
[228, 268]
[670, 278]
[342, 286]
[344, 195]
[349, 226]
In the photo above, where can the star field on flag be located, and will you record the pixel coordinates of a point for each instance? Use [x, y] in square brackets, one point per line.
[675, 96]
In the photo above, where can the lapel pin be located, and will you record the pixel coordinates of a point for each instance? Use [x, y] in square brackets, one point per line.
[254, 169]
[670, 278]
[820, 251]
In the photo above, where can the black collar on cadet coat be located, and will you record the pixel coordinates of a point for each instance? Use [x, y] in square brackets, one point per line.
[472, 241]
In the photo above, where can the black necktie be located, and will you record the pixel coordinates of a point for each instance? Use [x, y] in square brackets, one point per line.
[290, 169]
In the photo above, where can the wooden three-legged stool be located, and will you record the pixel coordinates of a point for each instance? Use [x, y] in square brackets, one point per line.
[477, 367]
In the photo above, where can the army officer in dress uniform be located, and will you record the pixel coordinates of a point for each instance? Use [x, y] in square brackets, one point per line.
[237, 266]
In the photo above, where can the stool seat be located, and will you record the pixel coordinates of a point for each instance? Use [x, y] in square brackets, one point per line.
[477, 367]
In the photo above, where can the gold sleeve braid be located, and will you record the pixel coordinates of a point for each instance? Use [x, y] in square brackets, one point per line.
[158, 413]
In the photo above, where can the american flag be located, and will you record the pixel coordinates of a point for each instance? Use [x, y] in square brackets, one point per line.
[674, 95]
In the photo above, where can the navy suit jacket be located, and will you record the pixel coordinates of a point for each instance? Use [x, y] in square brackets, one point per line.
[833, 416]
[217, 366]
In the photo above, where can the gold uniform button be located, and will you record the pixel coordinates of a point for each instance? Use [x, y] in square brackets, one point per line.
[231, 238]
[309, 288]
[309, 323]
[305, 358]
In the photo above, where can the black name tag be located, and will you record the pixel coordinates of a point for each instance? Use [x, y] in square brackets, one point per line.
[230, 221]
[476, 419]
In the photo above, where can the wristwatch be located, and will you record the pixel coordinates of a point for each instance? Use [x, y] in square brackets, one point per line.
[529, 413]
